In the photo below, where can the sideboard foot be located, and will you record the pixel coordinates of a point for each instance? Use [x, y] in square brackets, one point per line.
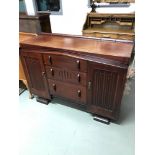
[42, 100]
[101, 119]
[31, 96]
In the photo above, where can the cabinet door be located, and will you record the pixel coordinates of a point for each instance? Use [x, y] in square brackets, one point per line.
[35, 73]
[105, 89]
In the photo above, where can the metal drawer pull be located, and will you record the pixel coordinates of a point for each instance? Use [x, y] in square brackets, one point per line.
[50, 59]
[89, 85]
[54, 86]
[78, 77]
[43, 73]
[79, 93]
[52, 71]
[78, 64]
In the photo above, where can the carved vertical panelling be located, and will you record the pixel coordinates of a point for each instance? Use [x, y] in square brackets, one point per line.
[35, 73]
[105, 93]
[104, 87]
[63, 75]
[34, 69]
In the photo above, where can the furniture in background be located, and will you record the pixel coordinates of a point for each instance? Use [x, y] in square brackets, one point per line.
[30, 26]
[112, 1]
[34, 24]
[91, 73]
[108, 25]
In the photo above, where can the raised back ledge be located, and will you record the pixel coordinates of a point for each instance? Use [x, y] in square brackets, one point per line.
[78, 36]
[86, 37]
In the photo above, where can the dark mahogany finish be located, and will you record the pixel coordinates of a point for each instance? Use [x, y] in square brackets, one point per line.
[66, 75]
[58, 61]
[73, 92]
[86, 71]
[35, 74]
[106, 89]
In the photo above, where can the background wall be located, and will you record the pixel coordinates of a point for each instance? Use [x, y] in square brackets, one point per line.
[22, 7]
[74, 15]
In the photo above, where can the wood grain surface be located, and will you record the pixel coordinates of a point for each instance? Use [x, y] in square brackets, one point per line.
[83, 45]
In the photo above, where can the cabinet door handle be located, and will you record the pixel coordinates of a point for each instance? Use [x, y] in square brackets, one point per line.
[89, 85]
[50, 59]
[78, 77]
[79, 93]
[54, 86]
[43, 73]
[78, 64]
[52, 71]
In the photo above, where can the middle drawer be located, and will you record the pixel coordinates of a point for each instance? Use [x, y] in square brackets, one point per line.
[66, 75]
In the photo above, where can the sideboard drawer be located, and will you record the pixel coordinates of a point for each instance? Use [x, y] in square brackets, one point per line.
[66, 75]
[69, 91]
[65, 62]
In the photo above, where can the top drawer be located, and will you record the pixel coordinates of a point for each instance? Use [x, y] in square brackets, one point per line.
[66, 62]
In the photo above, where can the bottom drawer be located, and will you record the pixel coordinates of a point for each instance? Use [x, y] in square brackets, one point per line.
[69, 91]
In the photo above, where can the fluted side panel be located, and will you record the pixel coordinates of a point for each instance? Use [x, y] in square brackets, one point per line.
[34, 69]
[105, 83]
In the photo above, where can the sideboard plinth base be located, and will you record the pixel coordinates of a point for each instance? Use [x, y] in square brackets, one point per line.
[101, 119]
[42, 100]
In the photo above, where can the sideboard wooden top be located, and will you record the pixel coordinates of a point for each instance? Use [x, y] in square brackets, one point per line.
[24, 36]
[80, 44]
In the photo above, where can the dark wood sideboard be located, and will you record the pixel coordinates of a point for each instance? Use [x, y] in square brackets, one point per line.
[91, 73]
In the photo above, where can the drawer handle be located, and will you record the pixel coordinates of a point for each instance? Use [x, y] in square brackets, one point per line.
[50, 59]
[54, 86]
[79, 93]
[43, 74]
[89, 85]
[78, 77]
[78, 64]
[52, 71]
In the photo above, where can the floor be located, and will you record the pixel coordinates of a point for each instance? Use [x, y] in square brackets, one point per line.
[56, 129]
